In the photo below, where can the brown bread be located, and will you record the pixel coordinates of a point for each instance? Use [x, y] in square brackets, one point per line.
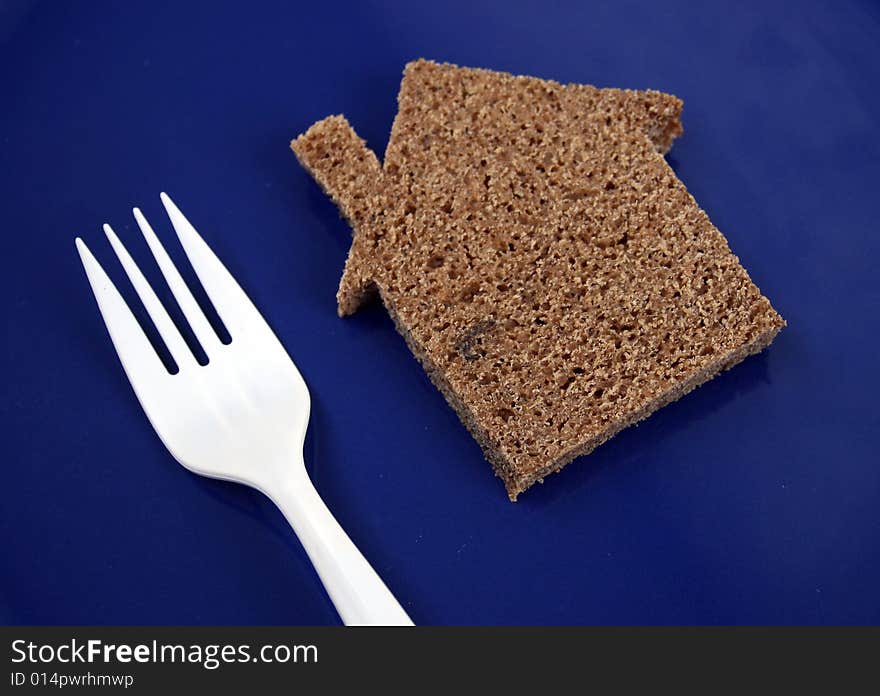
[540, 258]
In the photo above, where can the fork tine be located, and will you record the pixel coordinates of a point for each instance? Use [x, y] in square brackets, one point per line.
[138, 358]
[231, 302]
[167, 330]
[204, 332]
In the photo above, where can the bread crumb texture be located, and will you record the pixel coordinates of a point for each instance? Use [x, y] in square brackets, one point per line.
[540, 258]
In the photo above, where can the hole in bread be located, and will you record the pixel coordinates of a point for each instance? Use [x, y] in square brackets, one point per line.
[470, 291]
[435, 261]
[505, 414]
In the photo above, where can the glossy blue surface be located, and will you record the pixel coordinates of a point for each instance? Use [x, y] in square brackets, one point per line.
[756, 499]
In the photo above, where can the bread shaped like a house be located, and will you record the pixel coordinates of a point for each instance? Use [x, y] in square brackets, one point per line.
[540, 258]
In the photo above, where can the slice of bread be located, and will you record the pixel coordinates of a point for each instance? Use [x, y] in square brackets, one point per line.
[540, 258]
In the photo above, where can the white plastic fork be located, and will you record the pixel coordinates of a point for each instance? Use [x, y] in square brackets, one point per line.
[243, 416]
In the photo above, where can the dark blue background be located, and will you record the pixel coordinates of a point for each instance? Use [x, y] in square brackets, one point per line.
[755, 499]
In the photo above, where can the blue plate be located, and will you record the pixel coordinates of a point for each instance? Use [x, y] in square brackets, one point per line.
[756, 499]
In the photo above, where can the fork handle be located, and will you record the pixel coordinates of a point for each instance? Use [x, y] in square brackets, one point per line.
[356, 590]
